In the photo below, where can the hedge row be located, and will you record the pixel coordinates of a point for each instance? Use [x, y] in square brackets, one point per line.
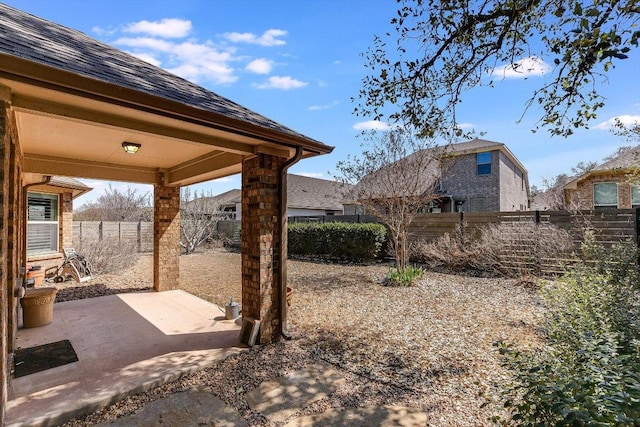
[337, 240]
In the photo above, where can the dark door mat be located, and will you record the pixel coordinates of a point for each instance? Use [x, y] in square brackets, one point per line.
[28, 361]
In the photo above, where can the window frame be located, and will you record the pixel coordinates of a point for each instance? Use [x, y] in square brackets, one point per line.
[606, 205]
[52, 222]
[636, 203]
[482, 163]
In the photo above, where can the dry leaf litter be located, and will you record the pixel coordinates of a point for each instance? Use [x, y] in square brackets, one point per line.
[428, 346]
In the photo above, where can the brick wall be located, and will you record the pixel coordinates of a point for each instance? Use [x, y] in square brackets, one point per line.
[480, 192]
[582, 197]
[11, 243]
[66, 231]
[4, 306]
[260, 242]
[513, 186]
[166, 238]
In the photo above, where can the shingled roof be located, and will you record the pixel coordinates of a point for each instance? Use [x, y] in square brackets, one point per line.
[34, 39]
[303, 192]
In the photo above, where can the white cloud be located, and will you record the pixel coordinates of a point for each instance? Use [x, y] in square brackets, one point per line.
[166, 28]
[311, 174]
[323, 107]
[465, 125]
[284, 83]
[523, 68]
[190, 60]
[372, 125]
[145, 43]
[625, 119]
[268, 38]
[147, 57]
[260, 66]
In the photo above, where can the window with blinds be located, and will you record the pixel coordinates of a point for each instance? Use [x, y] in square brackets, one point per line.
[42, 223]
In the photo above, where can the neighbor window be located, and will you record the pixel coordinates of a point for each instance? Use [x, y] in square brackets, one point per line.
[635, 196]
[605, 195]
[42, 223]
[483, 161]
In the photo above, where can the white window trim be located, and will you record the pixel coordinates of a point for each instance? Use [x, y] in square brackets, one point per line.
[51, 222]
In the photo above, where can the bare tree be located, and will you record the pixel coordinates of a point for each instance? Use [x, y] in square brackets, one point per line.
[115, 205]
[394, 178]
[199, 215]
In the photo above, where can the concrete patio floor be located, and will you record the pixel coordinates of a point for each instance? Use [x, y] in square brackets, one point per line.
[125, 344]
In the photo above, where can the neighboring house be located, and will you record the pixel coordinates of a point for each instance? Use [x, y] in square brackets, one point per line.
[608, 185]
[306, 196]
[484, 176]
[50, 216]
[479, 176]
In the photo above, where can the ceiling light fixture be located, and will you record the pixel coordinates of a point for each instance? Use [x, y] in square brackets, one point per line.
[131, 147]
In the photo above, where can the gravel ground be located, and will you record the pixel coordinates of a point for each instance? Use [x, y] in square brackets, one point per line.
[428, 346]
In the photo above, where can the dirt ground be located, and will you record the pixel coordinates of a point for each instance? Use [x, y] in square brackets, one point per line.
[429, 346]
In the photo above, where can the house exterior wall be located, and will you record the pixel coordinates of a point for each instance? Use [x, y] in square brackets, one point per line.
[481, 193]
[311, 212]
[582, 196]
[513, 185]
[11, 249]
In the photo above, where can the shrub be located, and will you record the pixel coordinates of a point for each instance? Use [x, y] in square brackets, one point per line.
[109, 256]
[406, 277]
[336, 240]
[589, 371]
[512, 249]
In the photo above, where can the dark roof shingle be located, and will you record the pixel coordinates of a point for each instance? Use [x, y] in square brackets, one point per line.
[35, 39]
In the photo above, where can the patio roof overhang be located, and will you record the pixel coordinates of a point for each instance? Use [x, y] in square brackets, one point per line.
[72, 125]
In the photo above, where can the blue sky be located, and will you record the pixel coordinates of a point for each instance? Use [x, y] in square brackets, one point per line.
[299, 63]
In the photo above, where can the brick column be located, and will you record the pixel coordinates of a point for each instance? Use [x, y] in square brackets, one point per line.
[260, 243]
[66, 237]
[166, 236]
[4, 306]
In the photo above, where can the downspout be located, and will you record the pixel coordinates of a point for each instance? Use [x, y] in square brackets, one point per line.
[282, 265]
[25, 215]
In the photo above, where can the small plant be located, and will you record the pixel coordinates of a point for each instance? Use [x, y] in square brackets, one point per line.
[406, 277]
[588, 371]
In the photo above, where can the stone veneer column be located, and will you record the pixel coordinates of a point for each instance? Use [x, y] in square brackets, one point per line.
[166, 236]
[260, 243]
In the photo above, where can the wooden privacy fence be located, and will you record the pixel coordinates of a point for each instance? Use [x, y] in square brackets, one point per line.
[137, 234]
[609, 225]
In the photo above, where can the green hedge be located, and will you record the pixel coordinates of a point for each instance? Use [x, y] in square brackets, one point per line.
[337, 240]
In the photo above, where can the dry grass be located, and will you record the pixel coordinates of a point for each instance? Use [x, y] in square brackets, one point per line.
[428, 346]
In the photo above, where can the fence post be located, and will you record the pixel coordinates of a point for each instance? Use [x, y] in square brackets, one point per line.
[537, 216]
[139, 236]
[79, 237]
[100, 231]
[358, 218]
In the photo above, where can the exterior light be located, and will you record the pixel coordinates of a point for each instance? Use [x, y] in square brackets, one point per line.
[131, 147]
